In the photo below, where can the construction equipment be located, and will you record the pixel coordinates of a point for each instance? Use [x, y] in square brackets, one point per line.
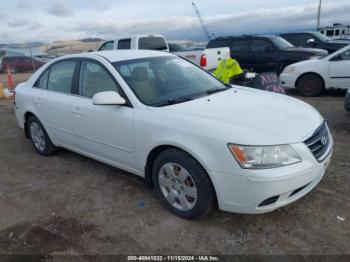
[206, 32]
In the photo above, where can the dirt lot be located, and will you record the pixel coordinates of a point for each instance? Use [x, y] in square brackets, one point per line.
[69, 204]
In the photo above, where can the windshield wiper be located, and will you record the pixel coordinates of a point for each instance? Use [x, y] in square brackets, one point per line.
[173, 101]
[217, 90]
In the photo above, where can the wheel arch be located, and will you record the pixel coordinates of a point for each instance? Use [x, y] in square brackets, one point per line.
[157, 150]
[311, 73]
[27, 115]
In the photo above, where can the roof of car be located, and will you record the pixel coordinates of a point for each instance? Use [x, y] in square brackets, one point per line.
[121, 55]
[245, 36]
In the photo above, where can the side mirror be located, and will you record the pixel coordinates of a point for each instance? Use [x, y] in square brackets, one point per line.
[311, 42]
[269, 49]
[90, 50]
[108, 98]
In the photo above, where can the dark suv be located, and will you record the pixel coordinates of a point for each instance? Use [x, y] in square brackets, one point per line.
[21, 63]
[315, 39]
[264, 53]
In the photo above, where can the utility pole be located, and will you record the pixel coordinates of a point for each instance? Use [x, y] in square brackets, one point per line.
[319, 15]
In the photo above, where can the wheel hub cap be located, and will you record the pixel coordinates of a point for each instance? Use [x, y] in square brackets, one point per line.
[177, 186]
[37, 136]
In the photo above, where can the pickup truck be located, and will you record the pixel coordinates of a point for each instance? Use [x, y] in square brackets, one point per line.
[265, 53]
[208, 58]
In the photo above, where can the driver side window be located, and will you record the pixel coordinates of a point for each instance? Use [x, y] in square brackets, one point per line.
[95, 79]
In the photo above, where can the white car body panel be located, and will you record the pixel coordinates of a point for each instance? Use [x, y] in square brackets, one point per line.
[336, 74]
[124, 136]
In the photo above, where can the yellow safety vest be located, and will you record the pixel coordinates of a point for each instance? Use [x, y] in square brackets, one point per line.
[227, 69]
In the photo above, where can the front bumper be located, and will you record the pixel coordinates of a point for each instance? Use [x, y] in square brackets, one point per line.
[264, 190]
[288, 80]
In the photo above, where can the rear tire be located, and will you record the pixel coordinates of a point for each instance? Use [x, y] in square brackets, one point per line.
[310, 85]
[39, 137]
[182, 184]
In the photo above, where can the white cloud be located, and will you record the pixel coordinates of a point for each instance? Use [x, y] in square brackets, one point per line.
[60, 9]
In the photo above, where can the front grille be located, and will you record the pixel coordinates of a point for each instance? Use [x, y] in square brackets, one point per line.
[319, 141]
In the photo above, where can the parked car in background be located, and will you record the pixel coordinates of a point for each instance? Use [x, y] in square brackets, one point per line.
[315, 40]
[347, 101]
[264, 53]
[163, 118]
[208, 59]
[311, 77]
[21, 63]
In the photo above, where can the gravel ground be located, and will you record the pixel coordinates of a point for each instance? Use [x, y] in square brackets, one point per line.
[71, 205]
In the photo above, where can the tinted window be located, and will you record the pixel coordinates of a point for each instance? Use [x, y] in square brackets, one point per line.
[260, 45]
[152, 43]
[94, 79]
[42, 81]
[298, 39]
[240, 46]
[224, 42]
[330, 32]
[124, 44]
[61, 76]
[107, 46]
[176, 47]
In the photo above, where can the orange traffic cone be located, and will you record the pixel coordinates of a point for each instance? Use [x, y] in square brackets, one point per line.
[9, 78]
[2, 95]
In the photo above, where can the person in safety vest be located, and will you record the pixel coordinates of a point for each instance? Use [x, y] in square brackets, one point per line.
[227, 69]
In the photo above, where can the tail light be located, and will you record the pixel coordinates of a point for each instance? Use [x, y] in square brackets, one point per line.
[203, 61]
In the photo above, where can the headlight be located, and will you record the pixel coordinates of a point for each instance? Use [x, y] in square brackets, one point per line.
[259, 157]
[289, 69]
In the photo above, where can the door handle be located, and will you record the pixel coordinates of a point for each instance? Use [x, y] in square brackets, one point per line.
[76, 112]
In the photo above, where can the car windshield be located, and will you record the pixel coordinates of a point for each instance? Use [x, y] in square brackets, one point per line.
[321, 37]
[161, 81]
[281, 43]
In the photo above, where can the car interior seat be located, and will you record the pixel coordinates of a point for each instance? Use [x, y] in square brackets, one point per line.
[142, 85]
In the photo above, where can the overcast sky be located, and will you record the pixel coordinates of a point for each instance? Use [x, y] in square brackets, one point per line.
[52, 20]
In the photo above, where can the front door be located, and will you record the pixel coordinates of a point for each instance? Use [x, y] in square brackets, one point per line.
[263, 56]
[339, 71]
[103, 131]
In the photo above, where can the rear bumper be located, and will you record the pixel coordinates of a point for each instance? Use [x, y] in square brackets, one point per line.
[347, 101]
[261, 191]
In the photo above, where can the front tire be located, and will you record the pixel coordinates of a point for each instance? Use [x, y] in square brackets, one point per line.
[39, 137]
[182, 184]
[310, 85]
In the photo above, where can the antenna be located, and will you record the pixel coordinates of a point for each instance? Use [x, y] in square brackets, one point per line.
[206, 32]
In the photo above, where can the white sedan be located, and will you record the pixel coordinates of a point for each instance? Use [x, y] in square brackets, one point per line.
[195, 139]
[312, 77]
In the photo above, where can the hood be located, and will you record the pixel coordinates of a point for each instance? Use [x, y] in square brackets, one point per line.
[246, 116]
[315, 51]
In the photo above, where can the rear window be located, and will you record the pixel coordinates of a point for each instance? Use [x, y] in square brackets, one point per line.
[219, 43]
[152, 43]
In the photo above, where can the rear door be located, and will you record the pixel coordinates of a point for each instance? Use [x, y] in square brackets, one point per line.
[339, 71]
[104, 132]
[263, 56]
[53, 101]
[240, 50]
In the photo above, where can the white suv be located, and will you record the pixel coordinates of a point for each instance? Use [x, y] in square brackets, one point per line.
[194, 138]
